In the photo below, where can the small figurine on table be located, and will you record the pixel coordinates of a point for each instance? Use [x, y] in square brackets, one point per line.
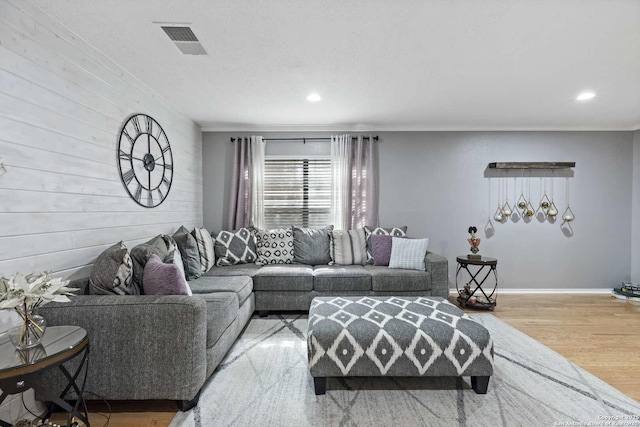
[474, 242]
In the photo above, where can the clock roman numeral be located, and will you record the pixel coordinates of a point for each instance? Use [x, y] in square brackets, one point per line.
[168, 166]
[136, 124]
[128, 176]
[149, 199]
[125, 133]
[166, 182]
[160, 194]
[138, 195]
[166, 148]
[149, 121]
[125, 156]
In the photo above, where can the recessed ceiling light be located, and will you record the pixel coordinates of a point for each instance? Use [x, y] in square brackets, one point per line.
[584, 96]
[314, 97]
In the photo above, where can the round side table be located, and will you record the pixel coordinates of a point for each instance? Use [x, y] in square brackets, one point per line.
[20, 369]
[472, 294]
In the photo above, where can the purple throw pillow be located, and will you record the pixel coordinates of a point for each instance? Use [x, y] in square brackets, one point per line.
[381, 249]
[163, 279]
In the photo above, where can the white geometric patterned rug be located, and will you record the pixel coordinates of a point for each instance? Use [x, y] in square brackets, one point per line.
[265, 381]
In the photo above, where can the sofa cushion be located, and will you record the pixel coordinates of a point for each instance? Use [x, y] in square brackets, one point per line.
[188, 248]
[235, 270]
[235, 247]
[348, 247]
[328, 278]
[408, 253]
[112, 273]
[141, 253]
[292, 277]
[274, 246]
[385, 279]
[381, 231]
[163, 279]
[311, 245]
[205, 248]
[222, 309]
[241, 285]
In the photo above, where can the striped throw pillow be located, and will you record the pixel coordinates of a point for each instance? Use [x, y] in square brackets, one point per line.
[205, 248]
[408, 253]
[348, 247]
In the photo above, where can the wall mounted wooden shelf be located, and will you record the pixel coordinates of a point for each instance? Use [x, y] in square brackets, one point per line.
[532, 165]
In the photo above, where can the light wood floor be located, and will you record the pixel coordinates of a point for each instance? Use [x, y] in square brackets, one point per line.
[597, 332]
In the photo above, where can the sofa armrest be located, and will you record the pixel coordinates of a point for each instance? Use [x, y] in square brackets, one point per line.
[144, 346]
[438, 266]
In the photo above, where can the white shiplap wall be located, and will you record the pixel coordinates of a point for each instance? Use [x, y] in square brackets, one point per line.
[62, 104]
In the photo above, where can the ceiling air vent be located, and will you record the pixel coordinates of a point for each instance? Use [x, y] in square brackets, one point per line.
[185, 40]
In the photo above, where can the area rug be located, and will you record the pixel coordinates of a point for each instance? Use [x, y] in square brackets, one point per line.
[264, 381]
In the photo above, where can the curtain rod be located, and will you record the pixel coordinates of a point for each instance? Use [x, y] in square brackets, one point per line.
[304, 140]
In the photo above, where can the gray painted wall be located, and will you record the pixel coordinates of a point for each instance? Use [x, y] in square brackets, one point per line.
[434, 182]
[635, 234]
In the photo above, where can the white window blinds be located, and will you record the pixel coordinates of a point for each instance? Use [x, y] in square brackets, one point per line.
[297, 192]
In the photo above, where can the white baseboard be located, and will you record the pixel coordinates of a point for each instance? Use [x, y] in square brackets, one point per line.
[592, 291]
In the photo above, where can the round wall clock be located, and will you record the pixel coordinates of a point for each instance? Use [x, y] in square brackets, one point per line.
[145, 161]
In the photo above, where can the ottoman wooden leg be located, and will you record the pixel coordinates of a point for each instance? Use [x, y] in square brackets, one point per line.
[480, 384]
[320, 384]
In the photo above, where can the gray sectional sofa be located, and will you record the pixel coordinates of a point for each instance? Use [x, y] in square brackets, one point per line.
[166, 346]
[293, 286]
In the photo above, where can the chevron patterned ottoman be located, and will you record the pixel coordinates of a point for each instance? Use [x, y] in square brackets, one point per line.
[396, 336]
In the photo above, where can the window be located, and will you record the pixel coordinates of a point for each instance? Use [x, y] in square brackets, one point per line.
[297, 191]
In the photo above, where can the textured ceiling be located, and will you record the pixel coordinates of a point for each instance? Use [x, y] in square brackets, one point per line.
[379, 65]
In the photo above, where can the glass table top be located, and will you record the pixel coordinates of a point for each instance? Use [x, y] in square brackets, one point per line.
[56, 340]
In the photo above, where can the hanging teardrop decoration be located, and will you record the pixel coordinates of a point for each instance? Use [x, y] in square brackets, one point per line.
[545, 202]
[522, 201]
[568, 214]
[498, 214]
[528, 212]
[553, 209]
[506, 208]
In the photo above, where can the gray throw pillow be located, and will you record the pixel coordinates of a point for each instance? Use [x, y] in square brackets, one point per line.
[188, 248]
[141, 253]
[112, 272]
[311, 245]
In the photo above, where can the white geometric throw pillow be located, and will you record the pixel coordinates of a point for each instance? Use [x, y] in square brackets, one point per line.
[274, 246]
[235, 247]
